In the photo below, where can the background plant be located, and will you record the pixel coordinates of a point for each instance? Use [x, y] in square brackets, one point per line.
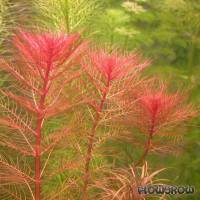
[123, 183]
[66, 15]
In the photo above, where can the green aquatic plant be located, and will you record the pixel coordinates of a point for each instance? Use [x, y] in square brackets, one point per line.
[66, 15]
[6, 23]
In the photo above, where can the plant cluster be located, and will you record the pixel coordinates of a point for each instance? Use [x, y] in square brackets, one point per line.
[98, 96]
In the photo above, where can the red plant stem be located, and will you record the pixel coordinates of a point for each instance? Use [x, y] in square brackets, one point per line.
[148, 143]
[40, 119]
[91, 142]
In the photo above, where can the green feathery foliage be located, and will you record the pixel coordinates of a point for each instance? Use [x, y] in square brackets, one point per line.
[13, 13]
[5, 24]
[66, 15]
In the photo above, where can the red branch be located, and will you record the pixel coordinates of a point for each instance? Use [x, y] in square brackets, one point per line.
[91, 141]
[40, 118]
[148, 144]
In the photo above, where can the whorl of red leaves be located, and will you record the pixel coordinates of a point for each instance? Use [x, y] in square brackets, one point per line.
[114, 65]
[48, 50]
[157, 111]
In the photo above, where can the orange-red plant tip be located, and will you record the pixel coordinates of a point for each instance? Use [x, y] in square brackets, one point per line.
[38, 48]
[115, 65]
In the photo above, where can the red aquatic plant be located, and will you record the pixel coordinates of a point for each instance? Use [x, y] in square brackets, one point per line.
[157, 112]
[42, 67]
[110, 74]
